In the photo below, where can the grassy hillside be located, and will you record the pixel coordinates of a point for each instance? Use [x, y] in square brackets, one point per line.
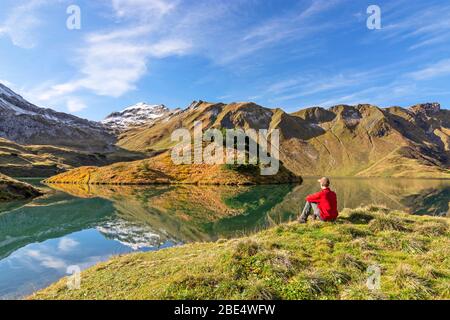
[161, 170]
[44, 161]
[292, 261]
[361, 140]
[11, 190]
[368, 141]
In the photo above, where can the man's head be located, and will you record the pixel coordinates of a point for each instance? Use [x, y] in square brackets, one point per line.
[324, 182]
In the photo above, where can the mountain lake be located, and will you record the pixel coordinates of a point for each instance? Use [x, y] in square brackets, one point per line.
[79, 226]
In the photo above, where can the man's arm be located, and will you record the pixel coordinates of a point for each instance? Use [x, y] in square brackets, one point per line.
[314, 198]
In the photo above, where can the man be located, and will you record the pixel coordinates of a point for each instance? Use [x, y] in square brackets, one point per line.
[323, 204]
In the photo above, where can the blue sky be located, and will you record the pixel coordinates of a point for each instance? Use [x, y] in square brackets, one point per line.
[288, 54]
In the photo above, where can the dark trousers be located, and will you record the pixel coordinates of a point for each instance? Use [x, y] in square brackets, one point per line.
[310, 207]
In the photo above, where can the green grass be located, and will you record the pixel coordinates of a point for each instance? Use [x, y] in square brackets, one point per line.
[291, 261]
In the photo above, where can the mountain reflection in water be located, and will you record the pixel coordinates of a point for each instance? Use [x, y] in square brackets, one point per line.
[82, 225]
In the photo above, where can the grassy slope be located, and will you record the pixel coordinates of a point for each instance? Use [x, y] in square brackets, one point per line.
[375, 147]
[292, 261]
[44, 161]
[396, 165]
[11, 190]
[161, 170]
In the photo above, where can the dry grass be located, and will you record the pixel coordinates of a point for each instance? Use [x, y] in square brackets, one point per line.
[161, 170]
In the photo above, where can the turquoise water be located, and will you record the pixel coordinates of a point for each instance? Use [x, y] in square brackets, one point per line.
[81, 225]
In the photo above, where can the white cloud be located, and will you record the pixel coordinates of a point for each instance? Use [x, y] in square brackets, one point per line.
[143, 8]
[22, 22]
[75, 105]
[170, 47]
[47, 260]
[112, 61]
[67, 244]
[106, 68]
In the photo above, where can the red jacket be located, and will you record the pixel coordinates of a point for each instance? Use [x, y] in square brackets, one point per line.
[327, 202]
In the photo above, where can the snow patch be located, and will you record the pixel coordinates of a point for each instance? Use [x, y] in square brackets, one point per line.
[136, 115]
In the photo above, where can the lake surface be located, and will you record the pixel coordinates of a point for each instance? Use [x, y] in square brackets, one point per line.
[83, 225]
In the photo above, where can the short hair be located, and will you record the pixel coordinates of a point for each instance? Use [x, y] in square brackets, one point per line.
[324, 182]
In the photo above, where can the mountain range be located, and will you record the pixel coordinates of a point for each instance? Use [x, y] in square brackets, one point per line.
[40, 142]
[362, 140]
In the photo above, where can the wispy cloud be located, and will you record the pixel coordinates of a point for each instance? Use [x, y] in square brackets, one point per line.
[381, 85]
[325, 84]
[423, 26]
[113, 61]
[22, 23]
[147, 9]
[47, 260]
[294, 26]
[111, 64]
[438, 69]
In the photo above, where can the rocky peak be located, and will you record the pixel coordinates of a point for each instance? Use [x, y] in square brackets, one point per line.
[426, 108]
[316, 115]
[195, 104]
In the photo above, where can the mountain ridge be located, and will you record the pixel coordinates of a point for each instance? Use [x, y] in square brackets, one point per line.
[40, 142]
[344, 140]
[26, 123]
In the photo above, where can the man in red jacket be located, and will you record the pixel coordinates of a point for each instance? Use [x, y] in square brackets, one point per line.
[323, 204]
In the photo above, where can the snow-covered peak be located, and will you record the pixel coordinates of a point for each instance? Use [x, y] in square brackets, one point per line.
[144, 106]
[136, 115]
[26, 123]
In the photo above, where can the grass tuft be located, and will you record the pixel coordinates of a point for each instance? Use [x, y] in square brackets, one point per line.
[411, 283]
[387, 223]
[433, 229]
[414, 245]
[348, 261]
[362, 292]
[261, 291]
